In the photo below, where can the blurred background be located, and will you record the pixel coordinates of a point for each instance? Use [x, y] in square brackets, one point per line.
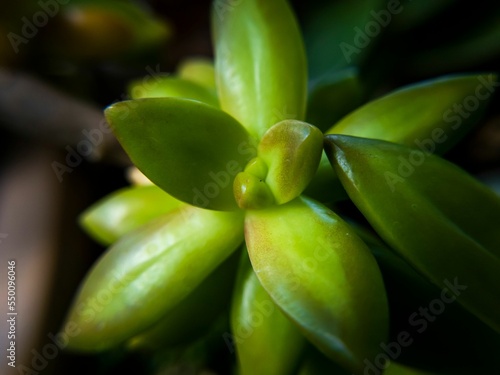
[63, 61]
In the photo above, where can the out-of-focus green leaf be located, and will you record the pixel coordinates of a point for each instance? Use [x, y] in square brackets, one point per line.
[322, 276]
[163, 87]
[125, 210]
[441, 220]
[431, 115]
[198, 70]
[194, 315]
[147, 273]
[260, 63]
[93, 29]
[191, 150]
[260, 330]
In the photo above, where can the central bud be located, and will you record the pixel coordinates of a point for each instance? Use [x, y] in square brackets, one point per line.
[287, 159]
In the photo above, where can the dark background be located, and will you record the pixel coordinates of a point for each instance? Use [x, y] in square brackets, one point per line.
[47, 96]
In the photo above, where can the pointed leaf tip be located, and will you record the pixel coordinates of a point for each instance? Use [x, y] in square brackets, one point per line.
[189, 149]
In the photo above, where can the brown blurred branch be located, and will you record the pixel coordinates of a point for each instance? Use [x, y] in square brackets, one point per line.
[32, 108]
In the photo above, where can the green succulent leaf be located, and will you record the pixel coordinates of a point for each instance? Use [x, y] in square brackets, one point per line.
[441, 220]
[436, 110]
[291, 150]
[252, 192]
[193, 316]
[260, 328]
[174, 87]
[260, 63]
[322, 276]
[147, 273]
[93, 29]
[459, 330]
[189, 149]
[198, 70]
[125, 210]
[431, 115]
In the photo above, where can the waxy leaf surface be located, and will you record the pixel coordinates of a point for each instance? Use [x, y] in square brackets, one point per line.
[430, 115]
[162, 87]
[125, 210]
[193, 316]
[148, 272]
[259, 328]
[434, 110]
[259, 62]
[189, 149]
[322, 276]
[440, 219]
[291, 150]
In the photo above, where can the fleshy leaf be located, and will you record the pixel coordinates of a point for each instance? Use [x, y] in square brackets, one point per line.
[259, 328]
[424, 115]
[260, 63]
[455, 327]
[429, 110]
[291, 150]
[163, 87]
[441, 220]
[198, 70]
[252, 192]
[322, 276]
[194, 315]
[148, 272]
[189, 149]
[94, 29]
[125, 210]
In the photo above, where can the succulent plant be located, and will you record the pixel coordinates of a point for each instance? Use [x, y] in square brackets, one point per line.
[239, 177]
